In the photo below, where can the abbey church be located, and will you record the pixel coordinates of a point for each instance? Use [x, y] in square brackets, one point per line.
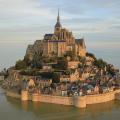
[58, 43]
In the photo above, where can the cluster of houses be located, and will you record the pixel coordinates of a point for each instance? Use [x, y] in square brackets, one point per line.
[91, 85]
[85, 80]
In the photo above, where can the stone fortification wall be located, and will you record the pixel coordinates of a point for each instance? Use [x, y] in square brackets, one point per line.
[80, 102]
[100, 98]
[13, 94]
[53, 99]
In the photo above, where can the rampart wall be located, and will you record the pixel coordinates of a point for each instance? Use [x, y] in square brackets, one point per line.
[77, 101]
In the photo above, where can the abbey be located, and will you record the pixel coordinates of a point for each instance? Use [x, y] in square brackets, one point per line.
[57, 43]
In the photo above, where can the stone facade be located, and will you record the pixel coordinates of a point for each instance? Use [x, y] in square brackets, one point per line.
[14, 75]
[73, 64]
[57, 43]
[77, 101]
[74, 76]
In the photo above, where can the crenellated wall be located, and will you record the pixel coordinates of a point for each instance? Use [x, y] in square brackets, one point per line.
[52, 99]
[76, 101]
[100, 98]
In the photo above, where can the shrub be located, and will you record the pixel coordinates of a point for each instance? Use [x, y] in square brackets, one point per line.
[100, 63]
[62, 63]
[20, 64]
[37, 62]
[56, 77]
[91, 55]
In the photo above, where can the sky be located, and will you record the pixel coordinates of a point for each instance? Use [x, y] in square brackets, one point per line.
[24, 21]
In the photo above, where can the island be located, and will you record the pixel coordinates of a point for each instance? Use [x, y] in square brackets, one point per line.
[58, 69]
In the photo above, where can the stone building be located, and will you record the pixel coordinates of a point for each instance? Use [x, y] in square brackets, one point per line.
[74, 76]
[57, 43]
[2, 77]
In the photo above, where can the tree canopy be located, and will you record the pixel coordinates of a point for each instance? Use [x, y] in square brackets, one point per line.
[20, 64]
[91, 55]
[100, 63]
[62, 63]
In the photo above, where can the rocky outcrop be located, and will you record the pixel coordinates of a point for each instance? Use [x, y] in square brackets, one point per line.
[36, 48]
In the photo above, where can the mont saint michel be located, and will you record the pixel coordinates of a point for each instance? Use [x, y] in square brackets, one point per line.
[59, 70]
[59, 77]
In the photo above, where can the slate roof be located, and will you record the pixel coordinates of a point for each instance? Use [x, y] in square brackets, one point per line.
[58, 24]
[48, 35]
[80, 41]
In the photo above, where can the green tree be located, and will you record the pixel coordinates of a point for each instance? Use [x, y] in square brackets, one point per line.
[110, 70]
[100, 63]
[62, 63]
[82, 61]
[56, 77]
[27, 60]
[91, 55]
[28, 72]
[37, 61]
[46, 75]
[20, 64]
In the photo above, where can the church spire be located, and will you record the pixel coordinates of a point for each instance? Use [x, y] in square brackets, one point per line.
[58, 24]
[58, 17]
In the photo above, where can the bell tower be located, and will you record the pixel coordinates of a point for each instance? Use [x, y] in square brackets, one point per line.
[58, 25]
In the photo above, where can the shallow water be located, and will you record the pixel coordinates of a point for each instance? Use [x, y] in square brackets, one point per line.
[13, 109]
